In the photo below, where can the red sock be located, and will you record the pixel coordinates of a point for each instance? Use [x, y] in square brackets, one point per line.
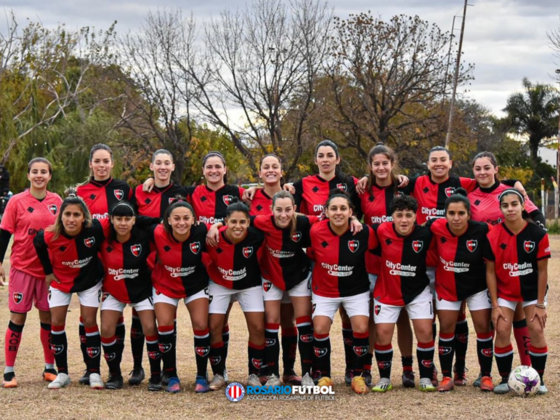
[46, 342]
[521, 334]
[12, 340]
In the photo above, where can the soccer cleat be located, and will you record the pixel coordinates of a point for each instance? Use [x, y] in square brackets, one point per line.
[114, 382]
[62, 380]
[136, 377]
[273, 380]
[291, 378]
[253, 380]
[383, 385]
[477, 381]
[366, 374]
[173, 386]
[316, 376]
[359, 385]
[201, 385]
[426, 385]
[348, 376]
[446, 384]
[486, 384]
[217, 383]
[434, 379]
[307, 380]
[95, 381]
[542, 389]
[154, 384]
[9, 380]
[503, 388]
[49, 375]
[84, 380]
[325, 381]
[408, 379]
[460, 378]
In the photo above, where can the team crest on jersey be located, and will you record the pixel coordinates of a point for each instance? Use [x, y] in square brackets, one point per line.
[449, 191]
[399, 194]
[227, 199]
[89, 242]
[472, 244]
[247, 251]
[296, 236]
[360, 350]
[110, 356]
[353, 245]
[202, 351]
[57, 348]
[528, 246]
[377, 309]
[342, 187]
[195, 247]
[267, 286]
[53, 208]
[417, 246]
[171, 200]
[119, 194]
[136, 250]
[164, 347]
[104, 296]
[319, 352]
[257, 363]
[18, 297]
[93, 352]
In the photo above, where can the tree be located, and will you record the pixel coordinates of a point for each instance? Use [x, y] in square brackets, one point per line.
[534, 114]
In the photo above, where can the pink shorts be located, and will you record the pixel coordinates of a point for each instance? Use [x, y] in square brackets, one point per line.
[25, 289]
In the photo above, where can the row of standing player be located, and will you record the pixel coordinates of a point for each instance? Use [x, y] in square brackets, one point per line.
[323, 153]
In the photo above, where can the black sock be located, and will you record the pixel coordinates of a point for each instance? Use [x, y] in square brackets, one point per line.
[272, 349]
[407, 363]
[59, 348]
[368, 362]
[83, 346]
[322, 352]
[256, 355]
[361, 349]
[305, 343]
[110, 350]
[167, 350]
[217, 358]
[538, 359]
[348, 340]
[446, 349]
[485, 352]
[504, 360]
[93, 349]
[384, 359]
[120, 335]
[289, 348]
[137, 341]
[225, 340]
[461, 344]
[425, 356]
[201, 350]
[154, 356]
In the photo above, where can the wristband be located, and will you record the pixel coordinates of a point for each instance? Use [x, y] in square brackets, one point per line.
[540, 305]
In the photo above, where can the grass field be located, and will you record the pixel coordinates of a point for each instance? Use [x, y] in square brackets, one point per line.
[32, 400]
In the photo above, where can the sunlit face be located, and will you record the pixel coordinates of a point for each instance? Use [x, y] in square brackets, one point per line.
[512, 207]
[73, 219]
[271, 170]
[457, 217]
[439, 164]
[101, 164]
[484, 172]
[237, 224]
[162, 167]
[39, 175]
[181, 220]
[123, 224]
[214, 170]
[326, 160]
[339, 212]
[404, 221]
[381, 166]
[283, 211]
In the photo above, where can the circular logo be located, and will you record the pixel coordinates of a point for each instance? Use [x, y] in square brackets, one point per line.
[235, 392]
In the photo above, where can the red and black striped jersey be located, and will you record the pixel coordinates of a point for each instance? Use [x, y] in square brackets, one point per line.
[101, 196]
[284, 262]
[403, 264]
[312, 192]
[515, 258]
[461, 271]
[155, 203]
[261, 204]
[179, 271]
[431, 196]
[127, 277]
[210, 206]
[340, 268]
[236, 266]
[74, 260]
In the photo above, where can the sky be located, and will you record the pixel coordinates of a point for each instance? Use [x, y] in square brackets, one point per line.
[505, 39]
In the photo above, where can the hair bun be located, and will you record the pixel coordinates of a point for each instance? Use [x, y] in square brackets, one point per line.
[461, 191]
[71, 192]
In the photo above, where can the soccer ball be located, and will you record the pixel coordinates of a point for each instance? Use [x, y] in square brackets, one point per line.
[524, 381]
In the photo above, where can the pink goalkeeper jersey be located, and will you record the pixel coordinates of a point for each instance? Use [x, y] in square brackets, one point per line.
[485, 206]
[24, 217]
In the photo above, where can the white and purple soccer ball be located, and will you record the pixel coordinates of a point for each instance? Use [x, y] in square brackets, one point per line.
[524, 381]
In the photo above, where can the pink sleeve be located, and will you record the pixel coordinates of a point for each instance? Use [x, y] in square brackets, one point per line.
[9, 219]
[530, 206]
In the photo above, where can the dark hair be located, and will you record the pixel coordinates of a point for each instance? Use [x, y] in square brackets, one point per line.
[218, 155]
[404, 202]
[100, 146]
[58, 227]
[237, 205]
[439, 149]
[459, 196]
[180, 201]
[338, 172]
[286, 194]
[510, 191]
[274, 155]
[162, 152]
[381, 149]
[336, 193]
[490, 156]
[39, 160]
[123, 208]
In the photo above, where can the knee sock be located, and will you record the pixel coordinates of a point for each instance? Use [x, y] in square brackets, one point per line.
[137, 341]
[305, 343]
[110, 350]
[425, 356]
[521, 334]
[154, 356]
[347, 338]
[538, 359]
[407, 363]
[225, 340]
[434, 331]
[289, 348]
[504, 360]
[322, 353]
[201, 350]
[446, 349]
[272, 349]
[83, 346]
[168, 350]
[256, 355]
[217, 358]
[59, 348]
[461, 344]
[93, 348]
[361, 349]
[14, 333]
[384, 359]
[368, 361]
[485, 352]
[46, 343]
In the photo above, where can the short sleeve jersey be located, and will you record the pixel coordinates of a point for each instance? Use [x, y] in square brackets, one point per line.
[261, 204]
[101, 197]
[210, 206]
[155, 203]
[312, 192]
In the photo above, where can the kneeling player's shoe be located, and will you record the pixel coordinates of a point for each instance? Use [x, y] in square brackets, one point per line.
[446, 384]
[460, 378]
[291, 378]
[486, 384]
[307, 380]
[114, 382]
[174, 385]
[218, 382]
[366, 374]
[9, 380]
[95, 381]
[359, 385]
[383, 385]
[477, 381]
[154, 384]
[348, 376]
[62, 380]
[503, 388]
[434, 379]
[253, 380]
[84, 380]
[542, 389]
[273, 380]
[136, 376]
[325, 381]
[49, 375]
[201, 385]
[408, 379]
[426, 385]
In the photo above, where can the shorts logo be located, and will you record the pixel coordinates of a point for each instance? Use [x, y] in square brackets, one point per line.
[342, 187]
[214, 360]
[89, 242]
[57, 348]
[227, 199]
[384, 365]
[110, 356]
[472, 244]
[306, 338]
[164, 347]
[417, 246]
[444, 350]
[449, 191]
[257, 363]
[210, 298]
[353, 245]
[267, 286]
[247, 251]
[195, 247]
[427, 363]
[360, 350]
[487, 352]
[49, 297]
[154, 355]
[296, 236]
[93, 352]
[53, 208]
[99, 295]
[202, 351]
[313, 308]
[18, 297]
[270, 342]
[119, 194]
[104, 296]
[136, 250]
[319, 352]
[377, 309]
[528, 246]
